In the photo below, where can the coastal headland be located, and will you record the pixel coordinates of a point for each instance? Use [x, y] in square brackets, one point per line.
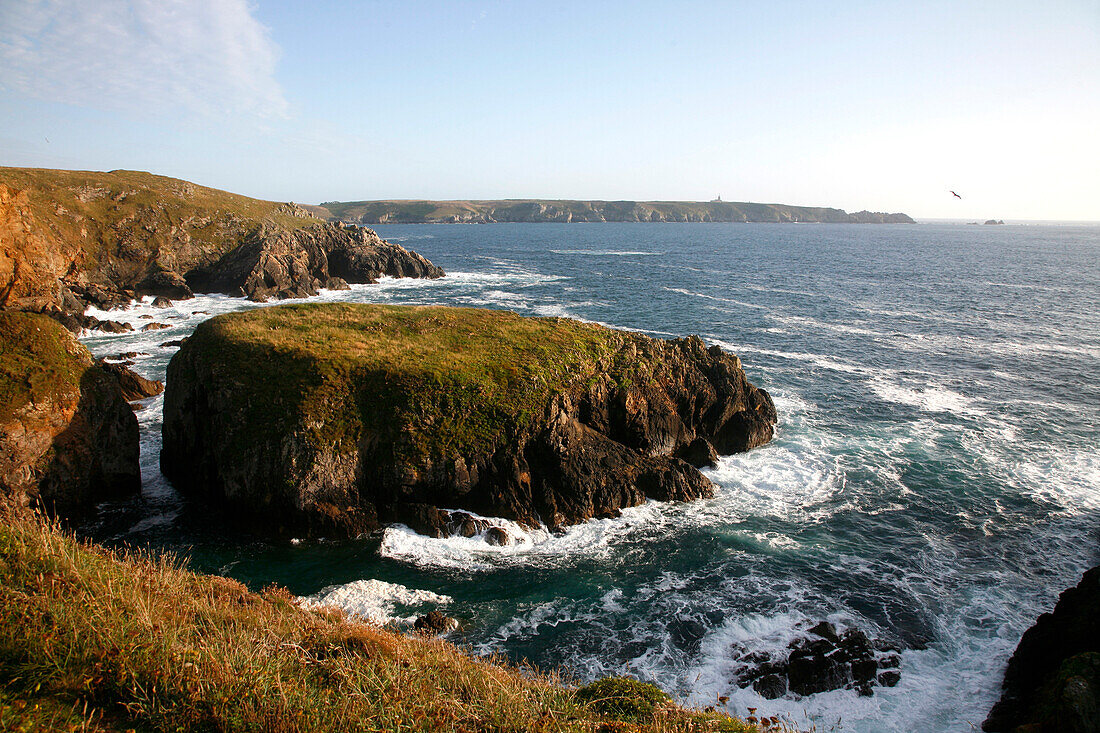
[73, 239]
[569, 211]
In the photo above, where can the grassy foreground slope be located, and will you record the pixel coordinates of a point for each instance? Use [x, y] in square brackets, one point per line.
[97, 640]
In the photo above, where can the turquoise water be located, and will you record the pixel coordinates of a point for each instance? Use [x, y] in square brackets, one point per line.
[934, 480]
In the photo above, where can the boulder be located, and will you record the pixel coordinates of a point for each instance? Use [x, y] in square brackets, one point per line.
[383, 413]
[1052, 682]
[111, 326]
[435, 623]
[165, 284]
[68, 439]
[133, 385]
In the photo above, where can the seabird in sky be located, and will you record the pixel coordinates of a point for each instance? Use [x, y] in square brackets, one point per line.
[956, 195]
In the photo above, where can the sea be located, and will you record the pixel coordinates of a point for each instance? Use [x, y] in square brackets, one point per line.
[934, 479]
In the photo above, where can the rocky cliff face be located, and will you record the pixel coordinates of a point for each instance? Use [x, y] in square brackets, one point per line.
[385, 414]
[1052, 683]
[71, 239]
[67, 436]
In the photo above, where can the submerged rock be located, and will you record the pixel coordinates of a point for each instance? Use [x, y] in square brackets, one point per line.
[340, 418]
[1052, 682]
[67, 436]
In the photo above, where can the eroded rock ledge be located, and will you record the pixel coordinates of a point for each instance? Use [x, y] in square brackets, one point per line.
[67, 436]
[340, 418]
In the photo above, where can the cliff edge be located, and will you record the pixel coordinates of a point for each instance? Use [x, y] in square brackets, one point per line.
[341, 418]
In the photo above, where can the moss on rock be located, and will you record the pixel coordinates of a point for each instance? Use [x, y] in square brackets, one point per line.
[67, 436]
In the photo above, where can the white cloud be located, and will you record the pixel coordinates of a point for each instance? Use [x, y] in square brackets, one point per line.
[205, 57]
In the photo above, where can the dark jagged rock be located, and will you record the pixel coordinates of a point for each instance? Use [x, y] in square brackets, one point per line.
[165, 284]
[161, 302]
[819, 660]
[133, 385]
[62, 250]
[435, 623]
[353, 262]
[770, 686]
[1052, 682]
[387, 413]
[699, 453]
[67, 436]
[109, 326]
[497, 536]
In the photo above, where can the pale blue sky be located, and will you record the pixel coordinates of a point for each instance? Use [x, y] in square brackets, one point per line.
[877, 105]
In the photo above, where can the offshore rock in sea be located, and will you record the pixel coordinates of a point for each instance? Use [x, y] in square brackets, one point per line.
[340, 418]
[820, 660]
[68, 439]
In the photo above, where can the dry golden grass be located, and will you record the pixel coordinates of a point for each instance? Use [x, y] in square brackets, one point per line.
[98, 640]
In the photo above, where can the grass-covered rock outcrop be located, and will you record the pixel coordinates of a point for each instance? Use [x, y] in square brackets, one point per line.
[73, 238]
[345, 417]
[67, 436]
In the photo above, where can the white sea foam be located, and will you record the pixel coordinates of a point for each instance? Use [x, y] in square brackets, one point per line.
[1069, 479]
[377, 601]
[731, 301]
[930, 398]
[821, 360]
[528, 546]
[775, 480]
[607, 252]
[409, 237]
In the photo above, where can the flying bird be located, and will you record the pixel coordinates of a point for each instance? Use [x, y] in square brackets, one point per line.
[956, 195]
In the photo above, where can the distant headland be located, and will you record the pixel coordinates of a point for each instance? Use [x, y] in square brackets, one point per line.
[567, 211]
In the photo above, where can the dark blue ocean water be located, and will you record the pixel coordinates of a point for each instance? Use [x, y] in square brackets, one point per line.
[935, 479]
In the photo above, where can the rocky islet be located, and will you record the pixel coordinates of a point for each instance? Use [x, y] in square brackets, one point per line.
[385, 414]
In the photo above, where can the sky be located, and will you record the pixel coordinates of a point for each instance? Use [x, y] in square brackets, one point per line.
[886, 106]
